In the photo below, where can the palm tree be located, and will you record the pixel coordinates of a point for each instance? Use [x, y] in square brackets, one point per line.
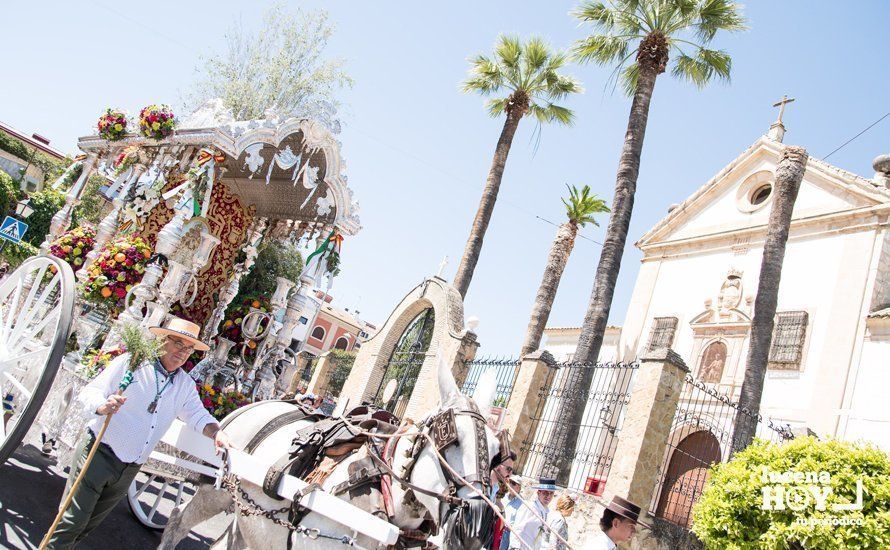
[650, 32]
[529, 75]
[788, 177]
[580, 209]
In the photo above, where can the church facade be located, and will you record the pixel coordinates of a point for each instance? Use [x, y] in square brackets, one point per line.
[829, 364]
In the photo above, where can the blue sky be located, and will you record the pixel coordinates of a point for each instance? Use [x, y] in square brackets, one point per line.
[418, 150]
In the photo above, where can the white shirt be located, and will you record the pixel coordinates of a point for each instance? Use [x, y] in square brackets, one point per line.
[529, 527]
[600, 542]
[133, 431]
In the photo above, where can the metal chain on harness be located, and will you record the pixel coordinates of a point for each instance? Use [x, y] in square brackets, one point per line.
[250, 507]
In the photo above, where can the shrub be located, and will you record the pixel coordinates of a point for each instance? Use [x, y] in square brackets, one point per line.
[45, 203]
[730, 513]
[275, 259]
[343, 361]
[15, 254]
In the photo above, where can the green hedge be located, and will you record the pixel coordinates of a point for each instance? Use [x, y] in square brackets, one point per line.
[343, 361]
[15, 254]
[730, 515]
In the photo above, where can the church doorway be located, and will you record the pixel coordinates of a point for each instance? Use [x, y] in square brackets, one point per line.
[686, 476]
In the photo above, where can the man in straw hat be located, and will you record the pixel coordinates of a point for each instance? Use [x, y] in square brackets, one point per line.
[619, 523]
[158, 394]
[532, 527]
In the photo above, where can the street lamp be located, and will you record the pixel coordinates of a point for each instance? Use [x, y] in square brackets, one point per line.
[23, 208]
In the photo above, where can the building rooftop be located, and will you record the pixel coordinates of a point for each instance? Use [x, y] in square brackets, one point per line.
[576, 329]
[36, 141]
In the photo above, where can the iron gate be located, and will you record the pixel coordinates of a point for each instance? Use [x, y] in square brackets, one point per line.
[405, 363]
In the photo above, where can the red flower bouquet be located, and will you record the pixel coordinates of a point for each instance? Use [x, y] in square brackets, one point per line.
[74, 245]
[219, 402]
[120, 265]
[156, 121]
[112, 125]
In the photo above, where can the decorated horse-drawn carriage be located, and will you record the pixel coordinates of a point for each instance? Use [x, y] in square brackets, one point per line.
[188, 211]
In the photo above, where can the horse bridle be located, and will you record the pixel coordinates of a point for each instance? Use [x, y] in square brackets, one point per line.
[443, 430]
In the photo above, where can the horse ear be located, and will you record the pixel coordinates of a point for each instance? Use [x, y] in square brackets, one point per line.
[485, 390]
[448, 391]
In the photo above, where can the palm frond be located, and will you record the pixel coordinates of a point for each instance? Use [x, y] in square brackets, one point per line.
[497, 107]
[597, 13]
[509, 51]
[581, 206]
[629, 77]
[602, 49]
[536, 54]
[718, 15]
[702, 68]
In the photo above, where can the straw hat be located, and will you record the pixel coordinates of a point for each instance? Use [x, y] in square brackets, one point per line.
[180, 328]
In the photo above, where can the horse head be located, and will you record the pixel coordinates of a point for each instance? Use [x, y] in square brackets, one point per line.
[468, 445]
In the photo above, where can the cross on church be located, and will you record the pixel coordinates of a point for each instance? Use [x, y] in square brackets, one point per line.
[781, 105]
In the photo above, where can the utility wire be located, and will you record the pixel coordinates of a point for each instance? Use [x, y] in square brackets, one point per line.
[844, 144]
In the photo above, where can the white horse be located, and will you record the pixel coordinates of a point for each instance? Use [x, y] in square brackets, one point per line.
[409, 510]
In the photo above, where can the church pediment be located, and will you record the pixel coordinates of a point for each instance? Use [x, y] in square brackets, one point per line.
[730, 311]
[739, 197]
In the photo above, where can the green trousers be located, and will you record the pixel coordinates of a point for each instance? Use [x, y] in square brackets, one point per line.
[102, 487]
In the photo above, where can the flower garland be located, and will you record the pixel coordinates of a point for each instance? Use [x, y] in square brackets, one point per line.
[125, 159]
[235, 315]
[112, 125]
[74, 245]
[219, 402]
[118, 268]
[95, 361]
[156, 121]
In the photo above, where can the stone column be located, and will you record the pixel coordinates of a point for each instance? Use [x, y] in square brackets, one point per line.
[642, 440]
[322, 374]
[534, 370]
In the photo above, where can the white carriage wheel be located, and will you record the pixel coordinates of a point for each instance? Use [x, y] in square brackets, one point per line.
[36, 310]
[152, 497]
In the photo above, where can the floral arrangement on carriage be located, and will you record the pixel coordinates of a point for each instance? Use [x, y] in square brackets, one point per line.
[112, 125]
[119, 267]
[220, 402]
[74, 245]
[95, 360]
[232, 329]
[156, 121]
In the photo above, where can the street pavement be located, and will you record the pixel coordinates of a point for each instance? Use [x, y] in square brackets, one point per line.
[31, 486]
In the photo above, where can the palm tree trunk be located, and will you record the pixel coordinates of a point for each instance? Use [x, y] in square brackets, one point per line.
[486, 205]
[788, 177]
[564, 436]
[560, 250]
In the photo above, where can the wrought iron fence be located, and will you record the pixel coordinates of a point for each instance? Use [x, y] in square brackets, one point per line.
[701, 435]
[575, 426]
[506, 370]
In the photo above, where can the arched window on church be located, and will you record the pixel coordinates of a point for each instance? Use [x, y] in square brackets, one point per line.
[342, 343]
[318, 333]
[713, 360]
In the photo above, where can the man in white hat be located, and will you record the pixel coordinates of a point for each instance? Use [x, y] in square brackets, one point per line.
[530, 526]
[158, 394]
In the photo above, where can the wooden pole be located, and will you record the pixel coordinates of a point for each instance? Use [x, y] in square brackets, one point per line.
[77, 480]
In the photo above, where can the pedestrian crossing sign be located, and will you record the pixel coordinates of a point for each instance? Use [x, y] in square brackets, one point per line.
[13, 229]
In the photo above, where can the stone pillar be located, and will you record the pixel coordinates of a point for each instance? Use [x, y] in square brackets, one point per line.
[318, 384]
[642, 440]
[534, 371]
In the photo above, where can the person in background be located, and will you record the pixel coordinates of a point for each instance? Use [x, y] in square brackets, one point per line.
[510, 505]
[565, 505]
[618, 524]
[531, 526]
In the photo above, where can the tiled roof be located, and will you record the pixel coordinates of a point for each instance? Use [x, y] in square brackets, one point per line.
[880, 313]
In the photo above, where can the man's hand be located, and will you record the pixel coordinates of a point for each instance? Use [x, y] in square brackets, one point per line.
[112, 405]
[220, 438]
